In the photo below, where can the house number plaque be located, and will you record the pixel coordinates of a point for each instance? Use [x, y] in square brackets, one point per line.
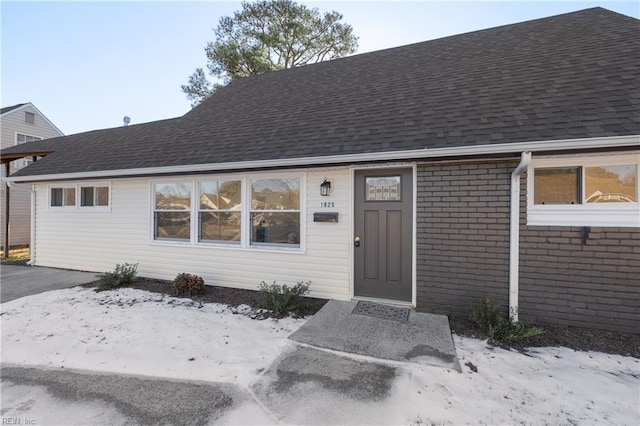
[327, 204]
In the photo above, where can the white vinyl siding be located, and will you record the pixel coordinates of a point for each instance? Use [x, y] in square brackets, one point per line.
[20, 204]
[12, 123]
[96, 242]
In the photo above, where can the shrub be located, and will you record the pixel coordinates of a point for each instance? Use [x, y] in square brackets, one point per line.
[282, 298]
[122, 274]
[490, 319]
[187, 285]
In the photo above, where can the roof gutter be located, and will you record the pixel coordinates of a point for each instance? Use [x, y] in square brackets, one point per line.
[536, 146]
[514, 235]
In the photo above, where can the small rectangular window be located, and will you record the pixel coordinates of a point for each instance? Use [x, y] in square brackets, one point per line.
[557, 185]
[29, 117]
[22, 138]
[275, 211]
[219, 215]
[63, 197]
[384, 188]
[94, 196]
[595, 190]
[172, 211]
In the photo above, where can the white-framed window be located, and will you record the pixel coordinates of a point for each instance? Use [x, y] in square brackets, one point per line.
[29, 117]
[275, 211]
[81, 196]
[220, 211]
[94, 196]
[22, 138]
[62, 196]
[584, 191]
[255, 211]
[172, 211]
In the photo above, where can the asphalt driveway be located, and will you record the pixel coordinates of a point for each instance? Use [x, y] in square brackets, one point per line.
[19, 281]
[111, 399]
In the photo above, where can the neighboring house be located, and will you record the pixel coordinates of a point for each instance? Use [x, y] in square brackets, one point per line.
[500, 163]
[20, 124]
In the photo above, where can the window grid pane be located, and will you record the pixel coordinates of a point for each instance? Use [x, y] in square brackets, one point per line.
[86, 196]
[173, 196]
[611, 184]
[102, 196]
[275, 227]
[173, 225]
[275, 194]
[221, 195]
[557, 185]
[220, 226]
[56, 197]
[69, 196]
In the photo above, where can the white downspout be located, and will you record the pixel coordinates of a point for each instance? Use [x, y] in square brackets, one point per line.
[32, 238]
[514, 235]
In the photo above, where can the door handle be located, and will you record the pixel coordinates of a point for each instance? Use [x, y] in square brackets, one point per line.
[356, 241]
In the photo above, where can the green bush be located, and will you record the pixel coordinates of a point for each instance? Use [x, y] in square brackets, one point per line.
[187, 285]
[282, 298]
[122, 274]
[490, 319]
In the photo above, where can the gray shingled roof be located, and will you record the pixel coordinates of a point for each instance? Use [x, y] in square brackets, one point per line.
[569, 76]
[9, 108]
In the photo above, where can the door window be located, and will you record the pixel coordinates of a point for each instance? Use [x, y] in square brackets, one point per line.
[383, 188]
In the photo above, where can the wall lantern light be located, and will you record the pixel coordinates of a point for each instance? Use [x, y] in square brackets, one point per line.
[325, 188]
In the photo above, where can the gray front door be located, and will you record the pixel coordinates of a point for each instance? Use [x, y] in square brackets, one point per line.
[383, 233]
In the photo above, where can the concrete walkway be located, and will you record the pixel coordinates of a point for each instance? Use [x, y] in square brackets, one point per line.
[307, 383]
[422, 338]
[20, 281]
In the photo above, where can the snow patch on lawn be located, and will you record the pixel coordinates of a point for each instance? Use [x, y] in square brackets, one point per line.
[141, 333]
[137, 332]
[544, 386]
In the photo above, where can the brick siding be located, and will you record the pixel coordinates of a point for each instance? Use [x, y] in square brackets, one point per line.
[463, 254]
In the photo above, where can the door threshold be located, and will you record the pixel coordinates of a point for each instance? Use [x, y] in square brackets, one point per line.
[390, 302]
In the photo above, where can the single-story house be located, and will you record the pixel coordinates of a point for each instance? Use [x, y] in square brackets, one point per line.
[500, 163]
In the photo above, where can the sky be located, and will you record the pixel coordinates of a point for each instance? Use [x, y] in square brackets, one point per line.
[133, 332]
[87, 64]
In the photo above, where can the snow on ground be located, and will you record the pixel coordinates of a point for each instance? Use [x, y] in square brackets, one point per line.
[30, 404]
[136, 332]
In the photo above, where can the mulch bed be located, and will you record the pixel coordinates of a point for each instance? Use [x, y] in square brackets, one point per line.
[229, 296]
[582, 339]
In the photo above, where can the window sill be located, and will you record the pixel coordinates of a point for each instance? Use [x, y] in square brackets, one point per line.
[230, 247]
[609, 215]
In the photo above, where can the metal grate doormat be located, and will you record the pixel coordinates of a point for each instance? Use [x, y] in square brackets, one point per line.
[377, 310]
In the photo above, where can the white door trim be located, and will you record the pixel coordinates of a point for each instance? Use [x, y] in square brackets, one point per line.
[414, 243]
